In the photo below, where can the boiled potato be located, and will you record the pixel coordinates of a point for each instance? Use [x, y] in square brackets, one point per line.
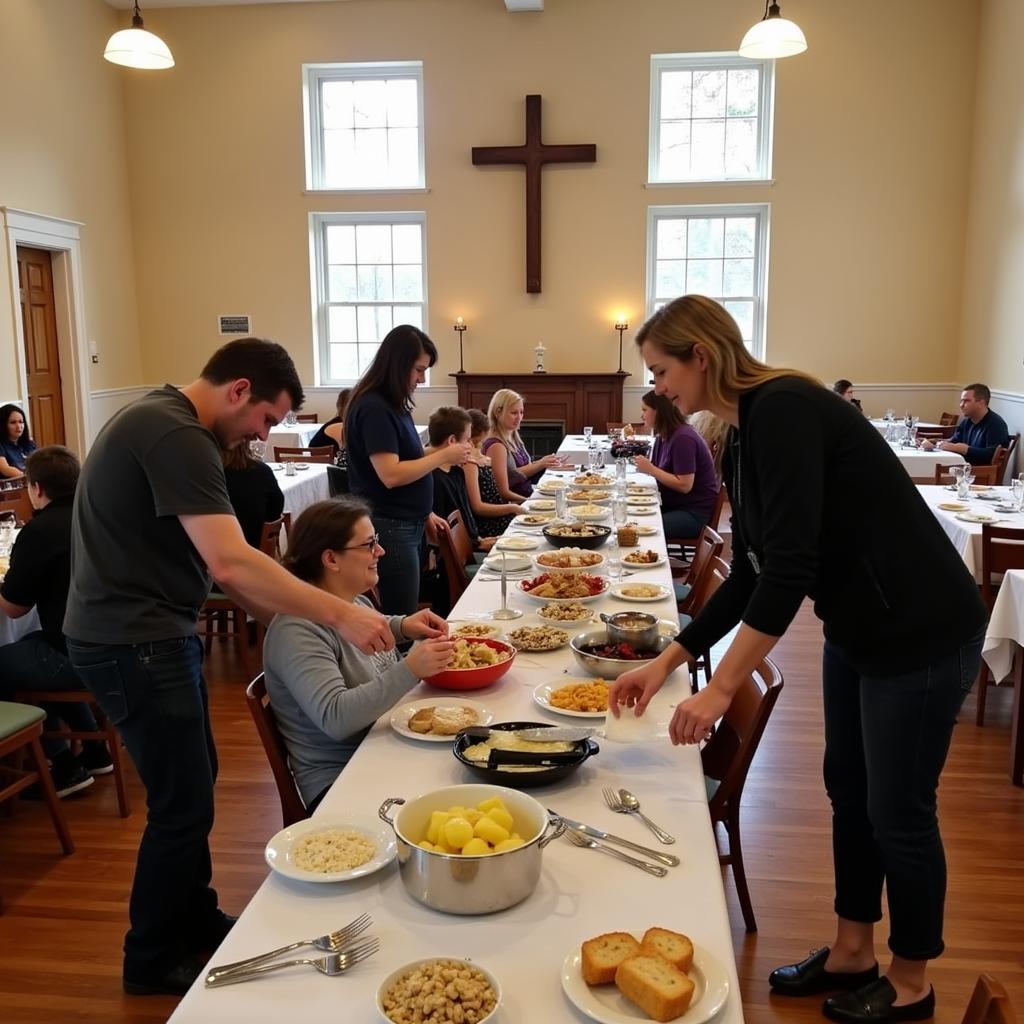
[512, 843]
[458, 832]
[476, 848]
[473, 831]
[488, 829]
[494, 801]
[501, 816]
[437, 820]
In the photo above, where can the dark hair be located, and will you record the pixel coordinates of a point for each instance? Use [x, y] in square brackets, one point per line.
[446, 421]
[25, 441]
[265, 364]
[667, 418]
[238, 457]
[55, 469]
[324, 526]
[981, 394]
[841, 386]
[479, 423]
[391, 368]
[344, 396]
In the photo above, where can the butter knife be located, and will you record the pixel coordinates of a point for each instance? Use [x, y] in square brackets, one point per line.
[595, 833]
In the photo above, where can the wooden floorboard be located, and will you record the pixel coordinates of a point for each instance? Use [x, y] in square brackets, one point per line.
[64, 917]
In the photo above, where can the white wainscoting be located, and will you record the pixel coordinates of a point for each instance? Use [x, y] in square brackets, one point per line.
[104, 402]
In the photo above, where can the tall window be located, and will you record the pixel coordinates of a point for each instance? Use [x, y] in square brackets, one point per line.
[370, 275]
[717, 251]
[711, 118]
[364, 125]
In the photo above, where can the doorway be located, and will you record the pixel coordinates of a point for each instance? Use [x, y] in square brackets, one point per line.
[42, 350]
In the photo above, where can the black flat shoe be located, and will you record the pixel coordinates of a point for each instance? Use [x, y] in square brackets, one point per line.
[207, 938]
[175, 981]
[809, 977]
[872, 1004]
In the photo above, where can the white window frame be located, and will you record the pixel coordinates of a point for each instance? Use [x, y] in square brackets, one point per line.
[762, 214]
[313, 77]
[318, 224]
[704, 61]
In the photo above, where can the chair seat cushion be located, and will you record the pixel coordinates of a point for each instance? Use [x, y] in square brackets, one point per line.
[15, 717]
[711, 786]
[681, 590]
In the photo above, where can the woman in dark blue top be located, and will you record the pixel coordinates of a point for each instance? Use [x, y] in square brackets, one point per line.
[386, 464]
[15, 443]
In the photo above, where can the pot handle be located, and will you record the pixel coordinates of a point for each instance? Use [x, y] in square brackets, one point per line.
[382, 811]
[556, 823]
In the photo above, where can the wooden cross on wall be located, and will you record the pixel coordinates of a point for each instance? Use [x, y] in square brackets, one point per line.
[533, 155]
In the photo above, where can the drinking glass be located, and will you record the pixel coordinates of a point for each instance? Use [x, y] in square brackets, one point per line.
[620, 513]
[600, 459]
[613, 554]
[621, 469]
[258, 449]
[1017, 490]
[591, 459]
[289, 419]
[588, 435]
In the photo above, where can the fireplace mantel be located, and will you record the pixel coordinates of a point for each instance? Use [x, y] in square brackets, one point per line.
[577, 399]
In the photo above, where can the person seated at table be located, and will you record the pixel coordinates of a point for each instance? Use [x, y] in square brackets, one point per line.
[681, 462]
[16, 444]
[980, 430]
[38, 577]
[333, 431]
[324, 691]
[493, 514]
[253, 490]
[844, 389]
[510, 461]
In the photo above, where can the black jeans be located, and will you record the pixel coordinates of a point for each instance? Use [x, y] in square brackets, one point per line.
[886, 740]
[156, 696]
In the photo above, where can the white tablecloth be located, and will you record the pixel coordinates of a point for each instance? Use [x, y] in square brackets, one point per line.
[880, 425]
[304, 489]
[581, 893]
[921, 464]
[1006, 626]
[297, 436]
[575, 446]
[14, 629]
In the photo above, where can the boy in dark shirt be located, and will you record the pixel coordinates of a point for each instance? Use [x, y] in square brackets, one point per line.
[39, 576]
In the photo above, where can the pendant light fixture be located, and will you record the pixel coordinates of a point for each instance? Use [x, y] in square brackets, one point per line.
[773, 36]
[136, 48]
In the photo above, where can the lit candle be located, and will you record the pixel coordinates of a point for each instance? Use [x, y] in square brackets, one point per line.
[459, 321]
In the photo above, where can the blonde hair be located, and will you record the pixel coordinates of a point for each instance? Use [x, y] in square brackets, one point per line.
[696, 320]
[500, 401]
[715, 433]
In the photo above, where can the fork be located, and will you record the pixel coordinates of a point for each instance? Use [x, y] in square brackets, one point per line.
[332, 942]
[623, 802]
[578, 839]
[336, 963]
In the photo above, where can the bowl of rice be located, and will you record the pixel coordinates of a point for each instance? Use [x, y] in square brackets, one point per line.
[326, 850]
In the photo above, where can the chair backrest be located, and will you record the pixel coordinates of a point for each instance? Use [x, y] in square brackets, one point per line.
[1002, 549]
[15, 499]
[716, 512]
[989, 1003]
[726, 757]
[936, 433]
[292, 807]
[982, 475]
[709, 545]
[454, 553]
[323, 454]
[307, 417]
[999, 459]
[714, 576]
[337, 481]
[949, 419]
[270, 538]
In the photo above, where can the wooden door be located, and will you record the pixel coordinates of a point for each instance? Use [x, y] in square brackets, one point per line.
[42, 358]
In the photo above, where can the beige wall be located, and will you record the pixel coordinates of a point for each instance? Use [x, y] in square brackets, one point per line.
[993, 311]
[62, 153]
[868, 209]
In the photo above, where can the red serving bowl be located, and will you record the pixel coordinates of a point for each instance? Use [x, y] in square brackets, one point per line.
[475, 678]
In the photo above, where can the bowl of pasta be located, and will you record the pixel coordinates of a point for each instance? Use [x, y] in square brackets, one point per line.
[474, 664]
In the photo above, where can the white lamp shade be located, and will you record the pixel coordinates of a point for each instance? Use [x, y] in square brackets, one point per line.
[771, 38]
[137, 48]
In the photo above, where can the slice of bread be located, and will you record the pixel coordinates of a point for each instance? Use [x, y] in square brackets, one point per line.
[449, 721]
[662, 991]
[603, 954]
[675, 947]
[422, 720]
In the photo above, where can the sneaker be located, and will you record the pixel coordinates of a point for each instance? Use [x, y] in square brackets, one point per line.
[95, 758]
[68, 775]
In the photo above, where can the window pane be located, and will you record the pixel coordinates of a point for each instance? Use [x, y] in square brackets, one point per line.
[675, 94]
[409, 283]
[341, 325]
[366, 354]
[374, 283]
[740, 147]
[707, 149]
[738, 277]
[409, 315]
[337, 104]
[709, 93]
[704, 277]
[373, 243]
[705, 237]
[671, 278]
[344, 364]
[743, 314]
[370, 100]
[403, 110]
[671, 239]
[341, 243]
[403, 156]
[371, 158]
[743, 86]
[341, 284]
[674, 155]
[339, 159]
[739, 236]
[407, 243]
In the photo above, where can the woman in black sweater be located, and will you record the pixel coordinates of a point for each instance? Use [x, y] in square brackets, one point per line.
[822, 508]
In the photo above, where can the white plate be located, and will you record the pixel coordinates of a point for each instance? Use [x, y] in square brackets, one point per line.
[641, 499]
[517, 543]
[278, 853]
[605, 1003]
[627, 564]
[540, 505]
[542, 695]
[302, 465]
[616, 591]
[401, 715]
[593, 569]
[276, 466]
[519, 524]
[513, 562]
[976, 517]
[562, 600]
[641, 510]
[601, 496]
[646, 530]
[564, 623]
[588, 517]
[393, 977]
[552, 486]
[542, 650]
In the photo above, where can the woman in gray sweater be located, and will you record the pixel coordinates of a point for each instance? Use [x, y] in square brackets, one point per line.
[324, 691]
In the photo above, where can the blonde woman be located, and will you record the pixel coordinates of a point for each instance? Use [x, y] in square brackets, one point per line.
[510, 461]
[895, 669]
[715, 432]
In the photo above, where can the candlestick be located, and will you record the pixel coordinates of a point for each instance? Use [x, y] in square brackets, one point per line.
[460, 326]
[621, 325]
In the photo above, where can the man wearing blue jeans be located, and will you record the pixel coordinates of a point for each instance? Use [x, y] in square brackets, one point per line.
[152, 522]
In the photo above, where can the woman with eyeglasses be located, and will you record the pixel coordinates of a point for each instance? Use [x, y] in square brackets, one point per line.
[324, 691]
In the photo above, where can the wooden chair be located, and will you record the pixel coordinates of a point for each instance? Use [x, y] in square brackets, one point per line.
[1002, 548]
[935, 433]
[292, 807]
[637, 427]
[15, 499]
[691, 542]
[706, 547]
[307, 417]
[221, 618]
[714, 576]
[105, 731]
[949, 419]
[456, 552]
[726, 760]
[323, 455]
[982, 475]
[989, 1003]
[270, 539]
[21, 726]
[1001, 457]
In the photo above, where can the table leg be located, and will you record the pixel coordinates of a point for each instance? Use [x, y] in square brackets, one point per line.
[1017, 720]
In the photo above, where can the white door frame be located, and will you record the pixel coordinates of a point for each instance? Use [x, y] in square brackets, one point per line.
[61, 238]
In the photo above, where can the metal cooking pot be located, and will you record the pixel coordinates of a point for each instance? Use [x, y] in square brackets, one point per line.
[470, 885]
[643, 635]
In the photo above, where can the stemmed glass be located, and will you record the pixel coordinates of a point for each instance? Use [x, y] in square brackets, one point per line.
[600, 459]
[1017, 490]
[588, 436]
[258, 449]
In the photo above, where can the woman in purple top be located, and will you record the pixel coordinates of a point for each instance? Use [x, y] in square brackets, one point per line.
[683, 466]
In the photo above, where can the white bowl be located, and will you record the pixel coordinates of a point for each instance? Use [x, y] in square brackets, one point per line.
[393, 977]
[595, 566]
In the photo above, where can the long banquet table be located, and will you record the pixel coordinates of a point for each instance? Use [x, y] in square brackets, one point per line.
[581, 893]
[1002, 652]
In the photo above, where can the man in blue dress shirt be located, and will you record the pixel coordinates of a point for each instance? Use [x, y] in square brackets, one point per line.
[980, 430]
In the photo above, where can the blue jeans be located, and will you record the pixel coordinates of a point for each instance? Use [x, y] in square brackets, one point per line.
[156, 696]
[886, 740]
[680, 522]
[31, 663]
[399, 567]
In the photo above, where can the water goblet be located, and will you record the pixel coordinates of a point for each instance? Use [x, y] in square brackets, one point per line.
[600, 459]
[1017, 490]
[588, 433]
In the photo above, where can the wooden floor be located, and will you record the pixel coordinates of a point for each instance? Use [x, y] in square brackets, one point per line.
[60, 934]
